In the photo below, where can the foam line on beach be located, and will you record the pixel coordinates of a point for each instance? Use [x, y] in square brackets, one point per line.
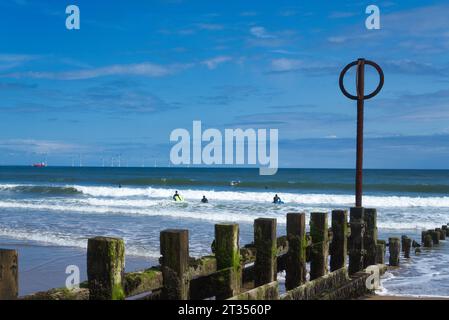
[375, 201]
[210, 216]
[58, 239]
[240, 196]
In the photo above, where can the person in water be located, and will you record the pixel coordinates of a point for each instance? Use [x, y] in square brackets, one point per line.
[176, 196]
[204, 200]
[277, 199]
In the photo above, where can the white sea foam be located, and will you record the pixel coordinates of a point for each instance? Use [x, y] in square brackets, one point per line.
[250, 196]
[174, 213]
[375, 201]
[59, 239]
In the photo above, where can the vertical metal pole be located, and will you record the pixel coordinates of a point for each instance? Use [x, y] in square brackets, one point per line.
[360, 104]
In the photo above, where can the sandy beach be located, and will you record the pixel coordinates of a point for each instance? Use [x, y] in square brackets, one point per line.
[42, 267]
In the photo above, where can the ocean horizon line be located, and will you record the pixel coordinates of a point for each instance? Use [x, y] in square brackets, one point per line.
[216, 167]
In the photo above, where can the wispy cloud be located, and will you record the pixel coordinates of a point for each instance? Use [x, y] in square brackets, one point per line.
[284, 64]
[216, 61]
[226, 95]
[312, 123]
[422, 29]
[209, 26]
[9, 61]
[39, 146]
[311, 68]
[430, 106]
[408, 66]
[342, 14]
[288, 13]
[261, 33]
[141, 69]
[332, 152]
[261, 37]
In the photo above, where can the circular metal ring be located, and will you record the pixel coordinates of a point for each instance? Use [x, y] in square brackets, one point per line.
[371, 95]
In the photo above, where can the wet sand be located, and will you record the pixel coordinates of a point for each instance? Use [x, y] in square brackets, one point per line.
[43, 267]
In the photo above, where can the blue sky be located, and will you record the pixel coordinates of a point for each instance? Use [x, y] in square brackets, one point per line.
[136, 70]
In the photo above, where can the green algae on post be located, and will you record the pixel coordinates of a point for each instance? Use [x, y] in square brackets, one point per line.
[105, 268]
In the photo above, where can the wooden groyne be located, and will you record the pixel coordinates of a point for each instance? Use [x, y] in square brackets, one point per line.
[325, 263]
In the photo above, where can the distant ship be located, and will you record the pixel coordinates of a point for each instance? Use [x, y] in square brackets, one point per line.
[40, 165]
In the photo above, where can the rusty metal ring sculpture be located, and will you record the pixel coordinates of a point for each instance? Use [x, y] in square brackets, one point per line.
[355, 63]
[360, 97]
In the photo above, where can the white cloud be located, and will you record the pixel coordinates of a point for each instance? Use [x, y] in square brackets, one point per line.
[261, 33]
[285, 65]
[214, 62]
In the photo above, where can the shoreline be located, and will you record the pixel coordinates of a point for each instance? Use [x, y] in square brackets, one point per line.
[43, 267]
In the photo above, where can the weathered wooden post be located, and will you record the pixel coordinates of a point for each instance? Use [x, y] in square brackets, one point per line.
[370, 237]
[320, 244]
[227, 253]
[105, 268]
[435, 236]
[423, 235]
[296, 257]
[175, 263]
[407, 247]
[265, 266]
[339, 245]
[428, 241]
[356, 249]
[9, 274]
[445, 229]
[442, 233]
[380, 252]
[394, 245]
[403, 237]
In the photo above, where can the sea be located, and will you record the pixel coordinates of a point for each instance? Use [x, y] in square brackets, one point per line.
[49, 213]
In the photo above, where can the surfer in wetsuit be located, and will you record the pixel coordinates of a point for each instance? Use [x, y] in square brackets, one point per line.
[204, 200]
[176, 196]
[277, 199]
